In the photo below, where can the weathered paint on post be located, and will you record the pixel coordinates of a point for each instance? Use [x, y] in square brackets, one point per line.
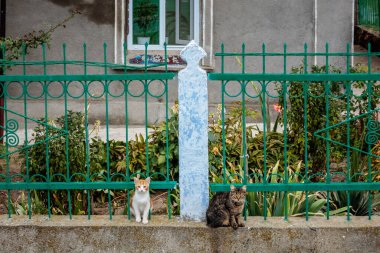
[193, 138]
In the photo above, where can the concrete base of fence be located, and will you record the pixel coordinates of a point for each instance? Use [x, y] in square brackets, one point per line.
[162, 235]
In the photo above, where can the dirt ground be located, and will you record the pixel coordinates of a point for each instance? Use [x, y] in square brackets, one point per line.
[14, 168]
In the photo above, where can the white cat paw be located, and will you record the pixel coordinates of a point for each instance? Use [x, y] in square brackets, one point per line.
[145, 221]
[138, 219]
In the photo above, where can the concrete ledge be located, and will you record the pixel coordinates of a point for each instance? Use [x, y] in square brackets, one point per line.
[59, 234]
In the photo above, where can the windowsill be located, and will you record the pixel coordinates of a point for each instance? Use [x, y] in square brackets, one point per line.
[157, 47]
[174, 68]
[135, 61]
[171, 68]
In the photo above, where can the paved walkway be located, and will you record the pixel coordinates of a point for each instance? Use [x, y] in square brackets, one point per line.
[116, 132]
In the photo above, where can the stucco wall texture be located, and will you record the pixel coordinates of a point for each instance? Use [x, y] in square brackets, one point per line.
[253, 22]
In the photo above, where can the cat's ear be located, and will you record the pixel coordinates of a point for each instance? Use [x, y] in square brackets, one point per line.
[135, 179]
[232, 187]
[147, 180]
[244, 188]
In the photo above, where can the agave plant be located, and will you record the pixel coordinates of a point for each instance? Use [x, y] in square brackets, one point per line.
[359, 202]
[376, 162]
[279, 203]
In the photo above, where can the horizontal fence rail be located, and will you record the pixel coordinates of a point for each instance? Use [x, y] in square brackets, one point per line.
[316, 148]
[68, 78]
[62, 164]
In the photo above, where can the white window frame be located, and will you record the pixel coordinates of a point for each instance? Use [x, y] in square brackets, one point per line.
[177, 39]
[162, 28]
[203, 25]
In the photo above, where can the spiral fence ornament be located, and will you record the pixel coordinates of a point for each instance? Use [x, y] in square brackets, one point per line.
[373, 132]
[373, 125]
[12, 125]
[12, 139]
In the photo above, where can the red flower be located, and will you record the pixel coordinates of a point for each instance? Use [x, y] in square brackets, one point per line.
[277, 108]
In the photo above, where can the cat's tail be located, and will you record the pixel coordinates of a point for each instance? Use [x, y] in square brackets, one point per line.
[208, 220]
[212, 224]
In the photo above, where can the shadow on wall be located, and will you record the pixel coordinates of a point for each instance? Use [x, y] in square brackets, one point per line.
[97, 11]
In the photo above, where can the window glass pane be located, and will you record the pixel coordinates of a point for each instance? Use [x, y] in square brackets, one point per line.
[170, 22]
[184, 19]
[179, 21]
[146, 21]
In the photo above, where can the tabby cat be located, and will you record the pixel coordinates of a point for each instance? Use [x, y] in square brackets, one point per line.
[225, 208]
[141, 202]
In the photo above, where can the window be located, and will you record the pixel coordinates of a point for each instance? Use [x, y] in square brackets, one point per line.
[175, 22]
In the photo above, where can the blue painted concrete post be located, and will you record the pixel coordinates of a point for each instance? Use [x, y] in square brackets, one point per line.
[193, 136]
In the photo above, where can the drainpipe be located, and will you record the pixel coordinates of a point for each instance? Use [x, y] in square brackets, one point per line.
[2, 35]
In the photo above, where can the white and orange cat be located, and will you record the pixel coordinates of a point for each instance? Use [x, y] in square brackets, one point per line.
[141, 202]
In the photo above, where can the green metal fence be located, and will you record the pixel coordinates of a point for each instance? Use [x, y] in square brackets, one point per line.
[305, 140]
[317, 149]
[369, 13]
[62, 167]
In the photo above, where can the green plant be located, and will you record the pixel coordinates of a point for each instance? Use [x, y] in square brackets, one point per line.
[55, 150]
[275, 201]
[376, 162]
[145, 14]
[159, 156]
[274, 152]
[316, 112]
[362, 103]
[175, 201]
[359, 202]
[15, 46]
[157, 145]
[233, 142]
[233, 139]
[264, 103]
[21, 206]
[340, 108]
[157, 150]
